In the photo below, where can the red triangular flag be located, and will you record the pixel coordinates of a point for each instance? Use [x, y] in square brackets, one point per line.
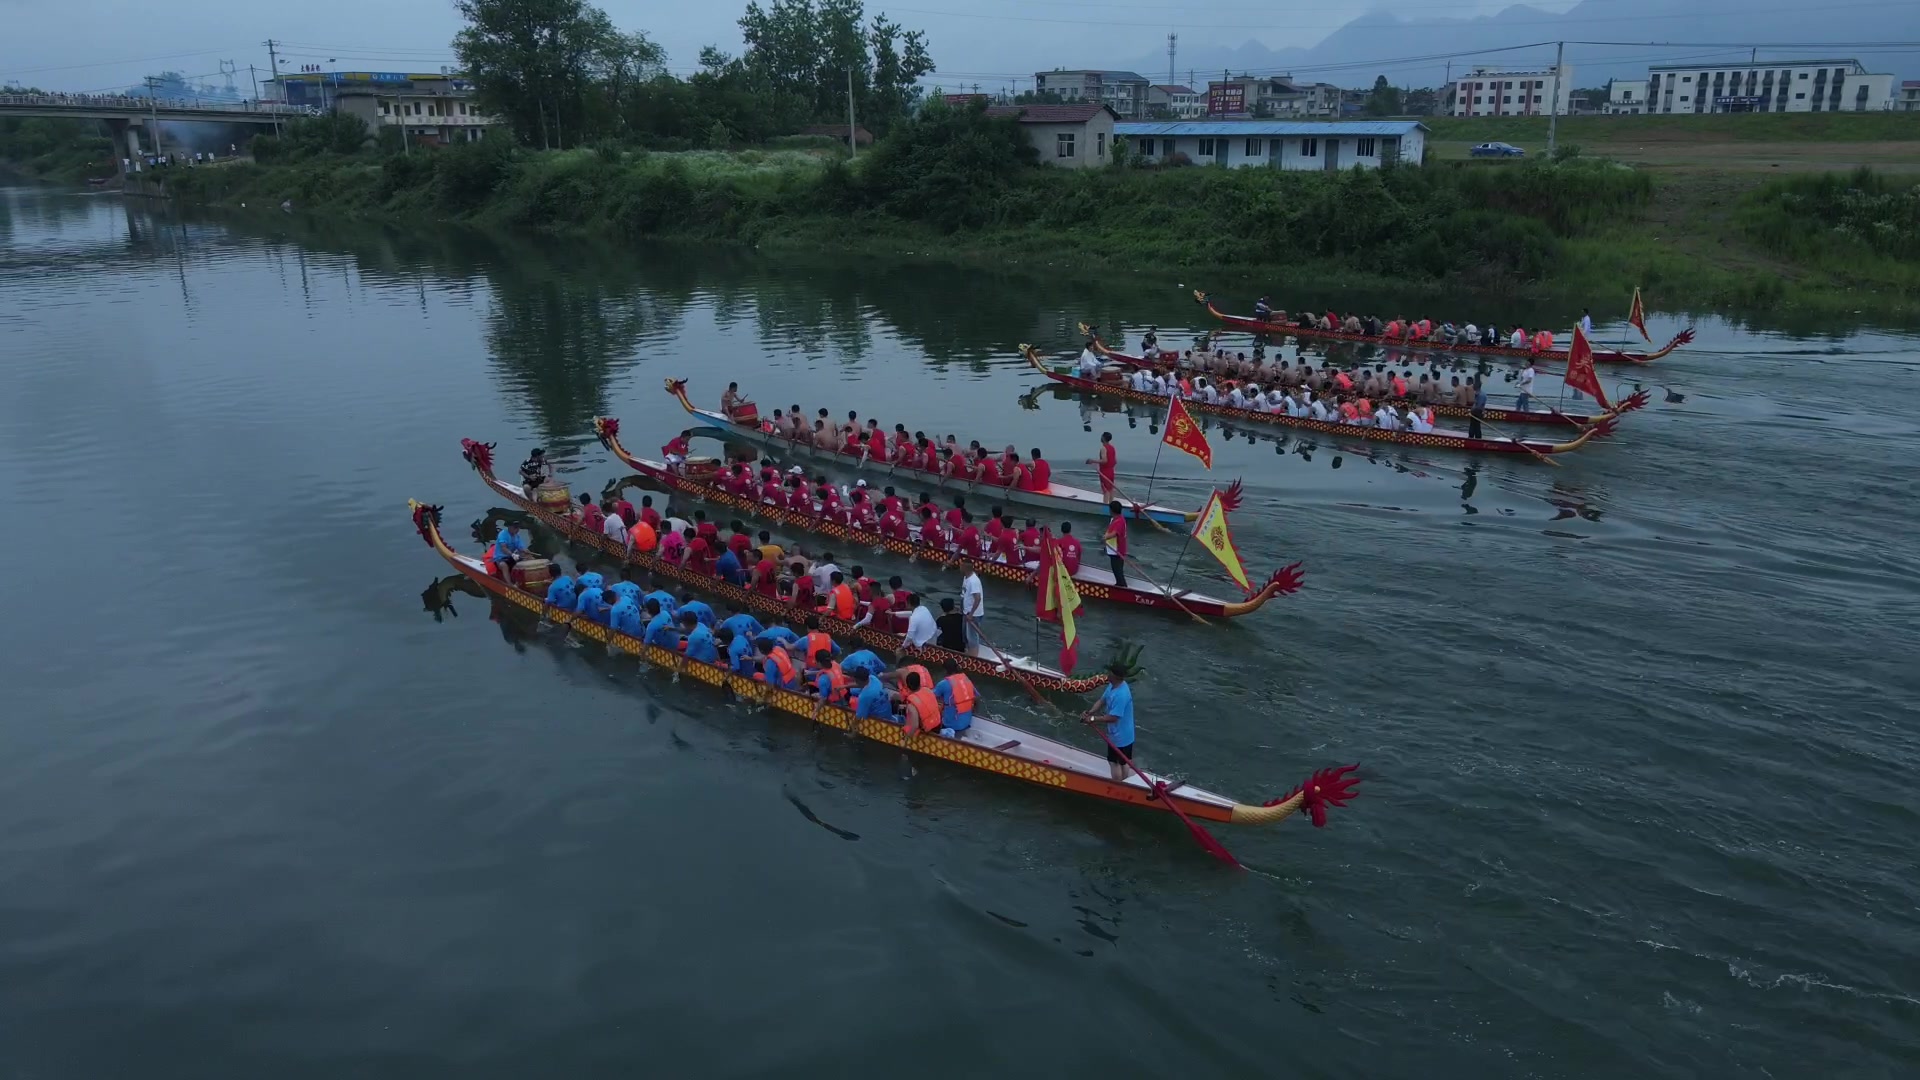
[1638, 316]
[1183, 434]
[1580, 374]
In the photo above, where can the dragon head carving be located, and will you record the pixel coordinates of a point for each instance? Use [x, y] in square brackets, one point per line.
[1287, 580]
[1326, 788]
[478, 454]
[425, 518]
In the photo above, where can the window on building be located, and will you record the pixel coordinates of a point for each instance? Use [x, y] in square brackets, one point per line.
[1364, 147]
[1063, 144]
[1146, 147]
[1256, 147]
[1536, 99]
[1479, 101]
[1685, 98]
[383, 109]
[1206, 147]
[1309, 147]
[1686, 78]
[1800, 97]
[1506, 99]
[1099, 144]
[1803, 74]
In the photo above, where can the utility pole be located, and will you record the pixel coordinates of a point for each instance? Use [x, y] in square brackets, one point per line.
[273, 58]
[1553, 114]
[252, 74]
[853, 148]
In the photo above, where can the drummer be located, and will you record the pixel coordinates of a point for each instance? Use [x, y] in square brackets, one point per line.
[536, 470]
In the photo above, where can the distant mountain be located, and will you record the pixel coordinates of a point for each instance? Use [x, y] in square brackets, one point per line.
[1353, 55]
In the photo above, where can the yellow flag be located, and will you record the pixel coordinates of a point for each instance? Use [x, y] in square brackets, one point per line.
[1066, 598]
[1210, 528]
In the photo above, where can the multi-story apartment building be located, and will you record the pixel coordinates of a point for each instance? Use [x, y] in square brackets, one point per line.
[1125, 92]
[1489, 91]
[1779, 86]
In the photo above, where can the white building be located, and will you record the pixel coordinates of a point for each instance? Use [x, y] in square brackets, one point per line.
[1296, 145]
[1779, 86]
[1178, 101]
[1489, 91]
[1265, 97]
[1625, 97]
[430, 108]
[1909, 99]
[1067, 136]
[1125, 92]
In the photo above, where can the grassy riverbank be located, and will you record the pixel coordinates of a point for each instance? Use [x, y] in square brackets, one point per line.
[1587, 230]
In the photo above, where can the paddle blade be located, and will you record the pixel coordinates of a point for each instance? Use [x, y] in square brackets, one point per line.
[1209, 845]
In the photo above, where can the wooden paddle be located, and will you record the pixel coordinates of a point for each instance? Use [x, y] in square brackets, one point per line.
[1139, 509]
[1167, 591]
[1032, 691]
[1522, 443]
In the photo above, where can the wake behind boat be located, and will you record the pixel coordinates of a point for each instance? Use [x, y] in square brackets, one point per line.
[987, 744]
[811, 515]
[1435, 439]
[916, 462]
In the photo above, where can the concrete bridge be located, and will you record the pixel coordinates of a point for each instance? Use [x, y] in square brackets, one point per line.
[125, 115]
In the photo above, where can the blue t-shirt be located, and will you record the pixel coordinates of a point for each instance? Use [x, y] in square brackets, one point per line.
[589, 603]
[510, 543]
[740, 656]
[864, 658]
[727, 568]
[1117, 702]
[626, 590]
[778, 635]
[700, 645]
[660, 632]
[560, 593]
[667, 601]
[592, 580]
[949, 716]
[872, 701]
[700, 611]
[625, 617]
[743, 625]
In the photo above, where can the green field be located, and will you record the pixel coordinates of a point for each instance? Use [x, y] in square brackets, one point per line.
[1795, 142]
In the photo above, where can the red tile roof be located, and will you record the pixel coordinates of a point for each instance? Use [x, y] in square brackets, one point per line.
[1051, 114]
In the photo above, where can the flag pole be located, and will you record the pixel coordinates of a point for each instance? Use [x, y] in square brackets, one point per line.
[1163, 442]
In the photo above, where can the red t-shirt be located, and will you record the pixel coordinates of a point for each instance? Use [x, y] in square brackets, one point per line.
[1070, 553]
[1042, 475]
[1007, 544]
[709, 532]
[625, 510]
[989, 471]
[700, 556]
[968, 541]
[863, 516]
[591, 517]
[738, 543]
[1107, 459]
[649, 515]
[954, 517]
[891, 503]
[930, 532]
[1030, 539]
[894, 524]
[1117, 528]
[764, 578]
[803, 591]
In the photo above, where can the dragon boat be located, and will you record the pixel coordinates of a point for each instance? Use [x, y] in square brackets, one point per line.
[1437, 440]
[1602, 356]
[984, 662]
[1059, 498]
[1169, 360]
[1093, 582]
[989, 745]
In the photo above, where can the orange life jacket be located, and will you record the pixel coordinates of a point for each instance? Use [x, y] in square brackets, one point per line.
[927, 707]
[783, 664]
[1343, 380]
[842, 602]
[1543, 341]
[817, 642]
[963, 692]
[837, 683]
[926, 680]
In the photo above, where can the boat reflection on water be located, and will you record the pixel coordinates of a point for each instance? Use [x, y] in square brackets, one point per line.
[438, 597]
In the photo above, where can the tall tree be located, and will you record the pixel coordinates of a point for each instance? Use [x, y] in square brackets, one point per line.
[1384, 100]
[809, 48]
[542, 65]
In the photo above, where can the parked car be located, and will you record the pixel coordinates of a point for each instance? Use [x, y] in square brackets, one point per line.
[1497, 149]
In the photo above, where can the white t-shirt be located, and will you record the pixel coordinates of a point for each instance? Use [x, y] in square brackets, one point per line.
[1526, 379]
[615, 528]
[973, 598]
[1586, 324]
[1419, 423]
[822, 576]
[920, 626]
[1472, 332]
[1519, 339]
[1089, 363]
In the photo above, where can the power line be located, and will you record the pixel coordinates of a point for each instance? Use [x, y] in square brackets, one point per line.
[113, 63]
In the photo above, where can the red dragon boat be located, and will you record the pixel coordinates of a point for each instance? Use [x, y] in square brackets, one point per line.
[1437, 440]
[1058, 498]
[985, 662]
[1169, 361]
[1603, 356]
[1093, 582]
[989, 745]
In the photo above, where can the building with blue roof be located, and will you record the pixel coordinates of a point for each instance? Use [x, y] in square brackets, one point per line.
[1296, 145]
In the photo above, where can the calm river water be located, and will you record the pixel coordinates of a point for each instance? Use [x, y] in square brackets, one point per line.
[1637, 732]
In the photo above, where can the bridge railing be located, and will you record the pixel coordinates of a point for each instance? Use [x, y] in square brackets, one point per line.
[131, 103]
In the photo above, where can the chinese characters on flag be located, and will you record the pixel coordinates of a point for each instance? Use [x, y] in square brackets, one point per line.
[1183, 434]
[1580, 374]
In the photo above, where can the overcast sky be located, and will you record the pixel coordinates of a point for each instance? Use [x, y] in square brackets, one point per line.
[99, 44]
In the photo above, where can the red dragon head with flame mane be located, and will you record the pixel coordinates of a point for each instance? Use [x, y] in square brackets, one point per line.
[479, 455]
[1328, 787]
[1637, 400]
[1684, 337]
[425, 516]
[608, 428]
[1605, 426]
[677, 387]
[1287, 580]
[1231, 498]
